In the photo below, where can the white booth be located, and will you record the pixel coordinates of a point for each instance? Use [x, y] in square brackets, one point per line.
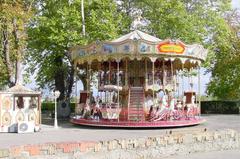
[20, 110]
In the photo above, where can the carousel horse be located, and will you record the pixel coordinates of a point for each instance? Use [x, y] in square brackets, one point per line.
[154, 114]
[176, 109]
[86, 111]
[163, 112]
[173, 112]
[178, 112]
[164, 101]
[191, 108]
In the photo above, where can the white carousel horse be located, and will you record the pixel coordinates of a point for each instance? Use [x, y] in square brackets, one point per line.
[173, 111]
[179, 105]
[172, 104]
[86, 110]
[178, 113]
[163, 112]
[191, 107]
[164, 101]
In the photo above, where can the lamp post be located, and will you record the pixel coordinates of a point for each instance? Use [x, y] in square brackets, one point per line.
[56, 95]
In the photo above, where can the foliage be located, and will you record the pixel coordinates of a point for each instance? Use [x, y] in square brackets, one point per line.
[56, 27]
[205, 22]
[192, 21]
[14, 17]
[220, 107]
[225, 83]
[48, 106]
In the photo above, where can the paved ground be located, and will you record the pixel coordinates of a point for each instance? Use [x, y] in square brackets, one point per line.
[231, 154]
[69, 132]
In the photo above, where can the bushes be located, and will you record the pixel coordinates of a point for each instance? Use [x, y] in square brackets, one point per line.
[207, 107]
[220, 107]
[48, 106]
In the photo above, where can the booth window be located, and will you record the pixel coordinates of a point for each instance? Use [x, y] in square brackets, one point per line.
[20, 103]
[33, 102]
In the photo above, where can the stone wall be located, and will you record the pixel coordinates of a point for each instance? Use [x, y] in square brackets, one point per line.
[172, 143]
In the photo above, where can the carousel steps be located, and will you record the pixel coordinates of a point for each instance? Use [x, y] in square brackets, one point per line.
[135, 112]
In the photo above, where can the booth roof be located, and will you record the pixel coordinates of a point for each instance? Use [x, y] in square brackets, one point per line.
[20, 89]
[137, 35]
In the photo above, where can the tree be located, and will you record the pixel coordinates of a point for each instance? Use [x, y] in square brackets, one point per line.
[225, 83]
[56, 28]
[14, 17]
[204, 22]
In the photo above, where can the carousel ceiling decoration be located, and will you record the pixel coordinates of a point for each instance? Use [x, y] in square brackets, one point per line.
[138, 45]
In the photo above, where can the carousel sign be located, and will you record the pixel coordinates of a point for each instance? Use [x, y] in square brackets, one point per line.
[168, 47]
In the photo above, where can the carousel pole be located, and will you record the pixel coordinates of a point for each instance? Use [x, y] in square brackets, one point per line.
[99, 76]
[118, 83]
[109, 79]
[183, 79]
[153, 73]
[199, 90]
[178, 83]
[163, 72]
[87, 77]
[183, 98]
[90, 77]
[146, 74]
[75, 74]
[172, 73]
[109, 72]
[126, 73]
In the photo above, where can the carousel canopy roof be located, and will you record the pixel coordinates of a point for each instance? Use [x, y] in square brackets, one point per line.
[136, 35]
[21, 90]
[139, 45]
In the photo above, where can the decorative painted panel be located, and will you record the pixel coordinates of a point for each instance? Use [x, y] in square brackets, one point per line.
[92, 49]
[6, 103]
[144, 48]
[81, 52]
[108, 48]
[125, 48]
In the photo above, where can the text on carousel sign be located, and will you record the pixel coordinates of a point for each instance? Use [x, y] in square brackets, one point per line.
[171, 48]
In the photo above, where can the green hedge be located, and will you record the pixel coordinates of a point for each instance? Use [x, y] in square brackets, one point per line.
[47, 106]
[207, 107]
[220, 107]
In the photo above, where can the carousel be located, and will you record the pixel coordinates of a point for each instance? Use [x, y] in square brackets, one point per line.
[141, 81]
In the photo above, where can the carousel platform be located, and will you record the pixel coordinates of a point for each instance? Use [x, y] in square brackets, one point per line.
[138, 124]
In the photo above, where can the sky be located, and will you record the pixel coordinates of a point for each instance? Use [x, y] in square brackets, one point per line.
[236, 3]
[205, 78]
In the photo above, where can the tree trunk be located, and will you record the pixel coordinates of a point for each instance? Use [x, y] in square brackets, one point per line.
[19, 51]
[70, 82]
[6, 54]
[59, 78]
